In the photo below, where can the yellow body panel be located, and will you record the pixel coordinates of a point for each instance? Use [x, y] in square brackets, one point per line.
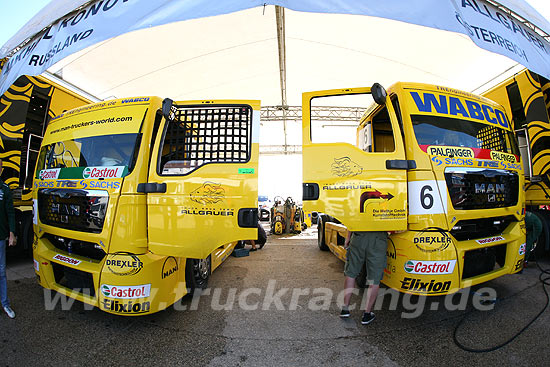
[424, 257]
[146, 237]
[530, 94]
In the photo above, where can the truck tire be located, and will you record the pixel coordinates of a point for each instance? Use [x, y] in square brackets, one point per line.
[321, 220]
[543, 242]
[197, 273]
[27, 235]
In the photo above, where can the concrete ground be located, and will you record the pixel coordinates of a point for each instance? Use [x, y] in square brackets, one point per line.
[277, 307]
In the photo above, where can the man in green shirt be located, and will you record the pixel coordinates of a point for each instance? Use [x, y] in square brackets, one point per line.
[7, 229]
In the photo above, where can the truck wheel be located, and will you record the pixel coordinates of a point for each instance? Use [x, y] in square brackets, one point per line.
[321, 233]
[197, 272]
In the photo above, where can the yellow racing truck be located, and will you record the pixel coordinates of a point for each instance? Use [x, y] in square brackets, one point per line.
[437, 167]
[138, 200]
[526, 98]
[25, 109]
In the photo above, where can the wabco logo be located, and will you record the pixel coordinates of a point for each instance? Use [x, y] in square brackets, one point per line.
[126, 292]
[49, 174]
[490, 240]
[448, 105]
[489, 188]
[430, 267]
[102, 172]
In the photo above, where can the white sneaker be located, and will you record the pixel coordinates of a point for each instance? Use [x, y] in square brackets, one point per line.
[10, 312]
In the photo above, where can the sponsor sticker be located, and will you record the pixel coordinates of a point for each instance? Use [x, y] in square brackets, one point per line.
[415, 285]
[169, 267]
[49, 174]
[430, 267]
[246, 171]
[432, 241]
[124, 264]
[501, 156]
[485, 241]
[66, 259]
[103, 172]
[130, 307]
[522, 249]
[126, 291]
[451, 151]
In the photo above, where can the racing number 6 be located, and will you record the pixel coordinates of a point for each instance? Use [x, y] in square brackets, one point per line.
[426, 199]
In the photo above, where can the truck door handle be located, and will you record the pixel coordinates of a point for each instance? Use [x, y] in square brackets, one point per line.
[400, 164]
[151, 187]
[248, 217]
[310, 191]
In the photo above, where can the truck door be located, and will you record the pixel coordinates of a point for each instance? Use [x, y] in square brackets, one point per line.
[363, 185]
[202, 189]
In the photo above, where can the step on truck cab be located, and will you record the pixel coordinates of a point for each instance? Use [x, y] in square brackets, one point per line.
[137, 200]
[437, 167]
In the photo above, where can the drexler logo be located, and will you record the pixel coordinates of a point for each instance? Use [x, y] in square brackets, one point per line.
[430, 267]
[124, 264]
[103, 172]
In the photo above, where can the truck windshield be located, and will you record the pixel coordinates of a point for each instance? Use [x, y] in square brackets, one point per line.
[445, 131]
[104, 150]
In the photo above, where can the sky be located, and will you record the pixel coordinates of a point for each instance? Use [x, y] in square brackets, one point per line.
[14, 14]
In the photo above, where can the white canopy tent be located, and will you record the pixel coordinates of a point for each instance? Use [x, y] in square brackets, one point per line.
[236, 55]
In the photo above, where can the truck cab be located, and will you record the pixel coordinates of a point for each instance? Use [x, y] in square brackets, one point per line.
[436, 167]
[137, 200]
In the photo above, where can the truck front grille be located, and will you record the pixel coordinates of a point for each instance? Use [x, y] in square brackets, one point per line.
[76, 280]
[484, 260]
[473, 229]
[475, 188]
[79, 210]
[82, 248]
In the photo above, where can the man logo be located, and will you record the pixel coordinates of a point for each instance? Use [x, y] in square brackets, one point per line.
[169, 267]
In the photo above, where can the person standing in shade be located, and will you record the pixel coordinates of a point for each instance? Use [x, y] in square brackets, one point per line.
[533, 226]
[369, 249]
[7, 231]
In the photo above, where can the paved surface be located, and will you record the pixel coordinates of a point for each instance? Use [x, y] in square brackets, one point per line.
[237, 324]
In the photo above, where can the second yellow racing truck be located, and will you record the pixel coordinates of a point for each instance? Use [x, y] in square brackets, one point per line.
[437, 167]
[137, 200]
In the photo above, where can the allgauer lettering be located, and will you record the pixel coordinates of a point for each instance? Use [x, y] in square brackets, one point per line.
[451, 151]
[222, 212]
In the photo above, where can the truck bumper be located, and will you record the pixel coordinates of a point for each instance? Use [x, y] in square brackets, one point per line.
[121, 283]
[435, 263]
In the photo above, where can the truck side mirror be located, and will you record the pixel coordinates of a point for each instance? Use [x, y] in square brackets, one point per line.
[379, 94]
[167, 107]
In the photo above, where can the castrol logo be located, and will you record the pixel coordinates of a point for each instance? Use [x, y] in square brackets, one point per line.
[49, 174]
[103, 172]
[430, 267]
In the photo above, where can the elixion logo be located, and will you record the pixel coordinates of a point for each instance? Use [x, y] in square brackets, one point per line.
[126, 307]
